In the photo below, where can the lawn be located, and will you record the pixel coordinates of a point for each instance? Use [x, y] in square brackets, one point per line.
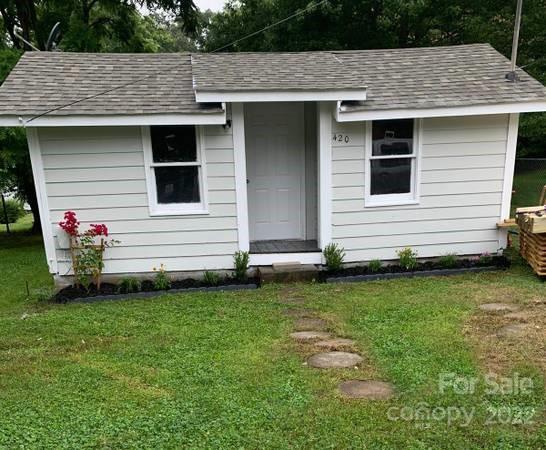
[528, 186]
[218, 370]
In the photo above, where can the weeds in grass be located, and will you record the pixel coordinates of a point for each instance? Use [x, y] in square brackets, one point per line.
[161, 281]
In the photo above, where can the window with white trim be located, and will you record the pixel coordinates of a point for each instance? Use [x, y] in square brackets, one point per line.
[175, 170]
[392, 162]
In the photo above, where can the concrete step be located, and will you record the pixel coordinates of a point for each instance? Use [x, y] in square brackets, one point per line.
[288, 272]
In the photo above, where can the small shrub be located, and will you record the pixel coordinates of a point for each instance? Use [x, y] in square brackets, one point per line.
[485, 259]
[241, 260]
[408, 258]
[375, 265]
[128, 285]
[334, 255]
[14, 209]
[211, 278]
[448, 261]
[161, 280]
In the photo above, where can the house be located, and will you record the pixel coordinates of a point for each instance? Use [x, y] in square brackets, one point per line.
[189, 158]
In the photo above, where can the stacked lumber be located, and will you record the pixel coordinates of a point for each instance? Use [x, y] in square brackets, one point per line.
[532, 241]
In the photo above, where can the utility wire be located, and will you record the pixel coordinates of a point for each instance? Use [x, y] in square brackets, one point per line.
[115, 88]
[286, 19]
[296, 14]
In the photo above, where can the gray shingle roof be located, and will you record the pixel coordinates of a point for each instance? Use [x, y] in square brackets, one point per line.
[45, 80]
[164, 83]
[439, 77]
[273, 71]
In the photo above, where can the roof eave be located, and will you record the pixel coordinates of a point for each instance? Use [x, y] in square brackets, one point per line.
[342, 114]
[78, 120]
[279, 95]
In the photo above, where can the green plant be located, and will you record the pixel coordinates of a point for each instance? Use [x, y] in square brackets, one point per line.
[43, 294]
[448, 261]
[485, 259]
[14, 211]
[211, 278]
[161, 280]
[334, 255]
[408, 258]
[375, 265]
[129, 285]
[241, 260]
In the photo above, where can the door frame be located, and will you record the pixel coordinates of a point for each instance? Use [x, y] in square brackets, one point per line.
[303, 172]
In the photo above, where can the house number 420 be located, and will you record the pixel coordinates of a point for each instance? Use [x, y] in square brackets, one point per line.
[341, 138]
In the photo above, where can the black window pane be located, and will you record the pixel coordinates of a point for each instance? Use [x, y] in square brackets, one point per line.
[392, 137]
[390, 176]
[177, 184]
[174, 144]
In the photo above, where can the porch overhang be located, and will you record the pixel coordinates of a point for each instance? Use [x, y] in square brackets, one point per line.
[275, 95]
[344, 113]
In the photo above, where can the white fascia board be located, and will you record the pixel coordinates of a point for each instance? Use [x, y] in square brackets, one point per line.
[476, 110]
[218, 118]
[280, 96]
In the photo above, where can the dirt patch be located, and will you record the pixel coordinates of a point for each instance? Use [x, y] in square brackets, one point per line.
[310, 324]
[502, 342]
[335, 344]
[498, 307]
[309, 335]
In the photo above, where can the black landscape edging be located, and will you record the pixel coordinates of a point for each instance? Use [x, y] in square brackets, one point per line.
[149, 294]
[417, 274]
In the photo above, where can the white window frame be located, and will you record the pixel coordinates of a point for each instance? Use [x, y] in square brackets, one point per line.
[175, 209]
[410, 198]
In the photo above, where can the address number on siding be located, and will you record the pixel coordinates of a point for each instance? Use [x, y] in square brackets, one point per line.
[343, 138]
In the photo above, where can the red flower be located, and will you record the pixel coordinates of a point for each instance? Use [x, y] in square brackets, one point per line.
[70, 223]
[98, 230]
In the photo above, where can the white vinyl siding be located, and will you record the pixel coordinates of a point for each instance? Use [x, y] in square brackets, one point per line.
[99, 174]
[461, 182]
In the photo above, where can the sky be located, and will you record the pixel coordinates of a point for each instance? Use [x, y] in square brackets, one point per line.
[214, 5]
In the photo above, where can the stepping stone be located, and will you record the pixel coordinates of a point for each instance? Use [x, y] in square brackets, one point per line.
[336, 343]
[512, 330]
[370, 389]
[309, 335]
[498, 307]
[310, 324]
[292, 300]
[298, 313]
[334, 360]
[521, 315]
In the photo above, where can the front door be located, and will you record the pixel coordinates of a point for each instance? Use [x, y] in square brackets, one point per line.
[275, 152]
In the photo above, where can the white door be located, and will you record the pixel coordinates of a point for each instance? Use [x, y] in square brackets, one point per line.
[275, 152]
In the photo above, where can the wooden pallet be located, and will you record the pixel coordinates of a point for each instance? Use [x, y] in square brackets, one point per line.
[533, 250]
[532, 219]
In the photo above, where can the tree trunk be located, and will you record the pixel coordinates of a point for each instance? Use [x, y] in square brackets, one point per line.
[32, 201]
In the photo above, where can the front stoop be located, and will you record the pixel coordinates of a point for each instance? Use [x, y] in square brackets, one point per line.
[288, 272]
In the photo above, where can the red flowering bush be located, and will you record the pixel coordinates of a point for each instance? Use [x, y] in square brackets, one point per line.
[98, 230]
[86, 252]
[70, 223]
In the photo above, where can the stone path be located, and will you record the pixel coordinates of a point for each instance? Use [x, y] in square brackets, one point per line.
[512, 329]
[369, 389]
[309, 335]
[335, 351]
[334, 360]
[498, 307]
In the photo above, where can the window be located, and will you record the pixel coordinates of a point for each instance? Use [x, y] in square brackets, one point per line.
[175, 170]
[392, 162]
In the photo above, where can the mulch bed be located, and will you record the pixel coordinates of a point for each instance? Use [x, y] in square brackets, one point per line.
[500, 262]
[107, 290]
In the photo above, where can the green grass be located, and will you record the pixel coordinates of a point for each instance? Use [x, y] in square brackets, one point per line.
[527, 187]
[218, 370]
